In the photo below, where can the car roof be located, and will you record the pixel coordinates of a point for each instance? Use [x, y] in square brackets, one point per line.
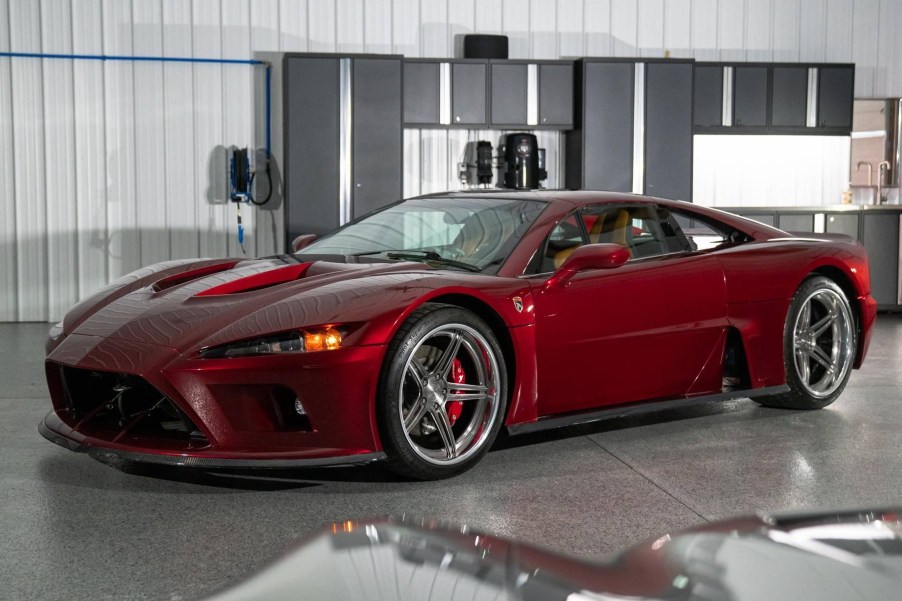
[569, 197]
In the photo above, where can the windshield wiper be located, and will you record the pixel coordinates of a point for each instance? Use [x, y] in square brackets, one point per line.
[420, 255]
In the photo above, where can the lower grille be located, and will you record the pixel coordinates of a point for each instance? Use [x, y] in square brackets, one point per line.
[126, 409]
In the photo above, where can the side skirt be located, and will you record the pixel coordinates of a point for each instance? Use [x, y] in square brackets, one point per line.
[572, 419]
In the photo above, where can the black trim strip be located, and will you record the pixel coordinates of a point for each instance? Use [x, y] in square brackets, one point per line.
[638, 409]
[202, 462]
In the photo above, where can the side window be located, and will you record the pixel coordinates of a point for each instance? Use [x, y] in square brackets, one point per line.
[675, 241]
[704, 234]
[566, 237]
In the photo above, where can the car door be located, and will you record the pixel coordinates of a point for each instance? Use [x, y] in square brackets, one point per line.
[652, 328]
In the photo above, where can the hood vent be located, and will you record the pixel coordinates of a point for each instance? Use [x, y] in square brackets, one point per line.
[258, 281]
[192, 274]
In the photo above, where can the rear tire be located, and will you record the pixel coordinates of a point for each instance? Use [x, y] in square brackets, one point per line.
[819, 342]
[442, 393]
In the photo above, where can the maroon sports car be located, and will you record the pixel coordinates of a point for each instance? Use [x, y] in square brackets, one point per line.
[414, 334]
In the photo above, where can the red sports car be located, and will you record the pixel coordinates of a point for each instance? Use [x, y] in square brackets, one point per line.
[414, 334]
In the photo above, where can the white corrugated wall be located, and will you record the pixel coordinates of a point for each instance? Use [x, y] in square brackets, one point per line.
[105, 167]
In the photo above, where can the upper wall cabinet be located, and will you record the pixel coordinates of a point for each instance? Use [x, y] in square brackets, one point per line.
[531, 94]
[787, 98]
[836, 86]
[468, 93]
[501, 94]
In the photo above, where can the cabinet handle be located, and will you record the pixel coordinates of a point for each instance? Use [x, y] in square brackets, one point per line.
[457, 118]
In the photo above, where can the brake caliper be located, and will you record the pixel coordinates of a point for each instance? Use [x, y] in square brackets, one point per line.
[454, 408]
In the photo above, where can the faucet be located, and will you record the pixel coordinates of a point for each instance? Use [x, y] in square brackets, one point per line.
[882, 168]
[870, 172]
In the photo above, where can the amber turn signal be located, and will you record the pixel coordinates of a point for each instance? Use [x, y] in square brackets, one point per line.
[322, 340]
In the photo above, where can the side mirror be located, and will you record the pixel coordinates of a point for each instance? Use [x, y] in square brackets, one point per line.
[590, 256]
[302, 241]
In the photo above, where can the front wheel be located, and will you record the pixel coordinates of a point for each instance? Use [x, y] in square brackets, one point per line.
[818, 346]
[442, 393]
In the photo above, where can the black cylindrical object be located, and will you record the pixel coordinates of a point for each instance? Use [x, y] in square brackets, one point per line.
[484, 171]
[485, 46]
[521, 157]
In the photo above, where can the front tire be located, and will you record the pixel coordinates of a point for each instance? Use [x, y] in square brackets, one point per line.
[818, 346]
[442, 393]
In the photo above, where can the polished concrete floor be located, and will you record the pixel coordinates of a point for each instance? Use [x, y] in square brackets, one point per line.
[74, 528]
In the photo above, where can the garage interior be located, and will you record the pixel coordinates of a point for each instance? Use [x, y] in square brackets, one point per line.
[121, 125]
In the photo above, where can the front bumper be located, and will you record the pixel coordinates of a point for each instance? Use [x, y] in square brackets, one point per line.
[223, 399]
[56, 431]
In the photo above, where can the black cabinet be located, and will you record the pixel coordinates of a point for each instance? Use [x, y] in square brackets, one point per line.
[774, 98]
[881, 239]
[789, 97]
[708, 97]
[600, 148]
[376, 154]
[510, 94]
[749, 96]
[668, 129]
[842, 223]
[342, 138]
[468, 93]
[552, 91]
[556, 94]
[422, 89]
[836, 86]
[796, 222]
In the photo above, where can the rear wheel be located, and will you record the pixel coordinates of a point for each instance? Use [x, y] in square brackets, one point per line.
[442, 393]
[818, 346]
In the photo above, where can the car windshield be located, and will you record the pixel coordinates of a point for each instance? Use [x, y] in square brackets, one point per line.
[473, 233]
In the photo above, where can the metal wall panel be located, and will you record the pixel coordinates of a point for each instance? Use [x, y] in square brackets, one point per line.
[110, 166]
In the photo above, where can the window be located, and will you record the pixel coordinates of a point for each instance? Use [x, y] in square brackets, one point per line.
[646, 230]
[706, 234]
[566, 237]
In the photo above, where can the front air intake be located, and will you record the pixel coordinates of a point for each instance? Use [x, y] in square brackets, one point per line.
[125, 409]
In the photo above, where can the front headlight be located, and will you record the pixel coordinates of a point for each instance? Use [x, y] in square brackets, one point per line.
[308, 340]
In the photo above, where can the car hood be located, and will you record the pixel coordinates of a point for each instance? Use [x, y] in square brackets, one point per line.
[830, 556]
[189, 304]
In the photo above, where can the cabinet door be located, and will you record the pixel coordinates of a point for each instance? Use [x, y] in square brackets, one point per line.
[881, 239]
[708, 101]
[834, 102]
[607, 131]
[509, 94]
[796, 222]
[842, 223]
[312, 145]
[421, 93]
[790, 97]
[668, 130]
[468, 94]
[556, 95]
[750, 96]
[376, 160]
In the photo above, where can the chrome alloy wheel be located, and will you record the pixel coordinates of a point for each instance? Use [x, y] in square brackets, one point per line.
[822, 342]
[428, 387]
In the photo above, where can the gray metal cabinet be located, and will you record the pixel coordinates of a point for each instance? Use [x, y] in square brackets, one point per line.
[842, 223]
[668, 129]
[468, 93]
[708, 98]
[600, 148]
[750, 96]
[376, 154]
[556, 94]
[342, 133]
[796, 222]
[881, 239]
[789, 97]
[835, 93]
[510, 94]
[422, 88]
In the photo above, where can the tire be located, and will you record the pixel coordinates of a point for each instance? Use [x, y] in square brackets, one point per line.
[442, 393]
[820, 331]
